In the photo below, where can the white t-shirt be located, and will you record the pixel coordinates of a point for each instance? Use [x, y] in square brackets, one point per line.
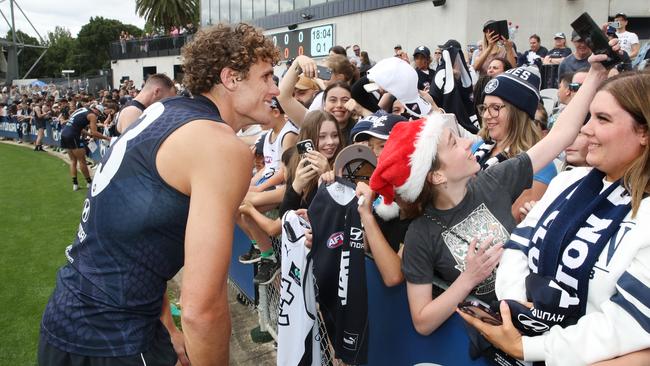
[317, 103]
[626, 40]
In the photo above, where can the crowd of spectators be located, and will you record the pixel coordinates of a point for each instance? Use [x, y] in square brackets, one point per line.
[500, 123]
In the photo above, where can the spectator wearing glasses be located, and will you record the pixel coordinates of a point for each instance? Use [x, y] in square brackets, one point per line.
[508, 112]
[436, 61]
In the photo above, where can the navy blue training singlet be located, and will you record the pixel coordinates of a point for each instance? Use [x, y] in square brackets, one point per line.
[78, 121]
[108, 297]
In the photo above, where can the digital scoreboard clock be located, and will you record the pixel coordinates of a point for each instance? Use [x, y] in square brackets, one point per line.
[312, 42]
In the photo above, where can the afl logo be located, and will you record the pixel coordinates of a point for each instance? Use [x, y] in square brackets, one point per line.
[86, 211]
[335, 240]
[491, 86]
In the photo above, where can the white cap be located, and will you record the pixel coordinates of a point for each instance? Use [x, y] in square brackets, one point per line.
[398, 78]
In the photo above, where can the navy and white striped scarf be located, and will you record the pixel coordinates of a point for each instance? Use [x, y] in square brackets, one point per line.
[562, 249]
[482, 155]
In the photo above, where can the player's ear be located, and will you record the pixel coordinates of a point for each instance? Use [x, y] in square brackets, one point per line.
[229, 78]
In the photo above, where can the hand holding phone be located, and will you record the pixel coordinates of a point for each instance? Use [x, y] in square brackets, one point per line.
[324, 73]
[304, 147]
[481, 312]
[595, 39]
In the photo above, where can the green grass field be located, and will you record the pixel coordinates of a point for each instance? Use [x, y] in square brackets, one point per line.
[39, 214]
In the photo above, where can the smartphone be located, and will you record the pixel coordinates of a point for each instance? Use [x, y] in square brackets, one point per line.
[615, 24]
[499, 27]
[324, 73]
[595, 39]
[304, 147]
[481, 312]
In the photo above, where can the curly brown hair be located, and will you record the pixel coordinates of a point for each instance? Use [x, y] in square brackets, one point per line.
[236, 46]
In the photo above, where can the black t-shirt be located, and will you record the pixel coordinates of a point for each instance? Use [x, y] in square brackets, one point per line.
[431, 251]
[424, 79]
[559, 52]
[393, 230]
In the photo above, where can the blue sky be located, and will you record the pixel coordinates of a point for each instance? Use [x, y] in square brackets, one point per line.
[70, 14]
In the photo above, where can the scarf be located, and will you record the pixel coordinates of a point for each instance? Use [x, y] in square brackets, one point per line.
[482, 155]
[562, 250]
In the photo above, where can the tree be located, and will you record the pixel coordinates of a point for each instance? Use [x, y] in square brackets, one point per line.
[168, 13]
[28, 55]
[60, 54]
[94, 41]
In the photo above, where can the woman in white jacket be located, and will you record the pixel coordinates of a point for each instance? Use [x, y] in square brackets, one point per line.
[580, 261]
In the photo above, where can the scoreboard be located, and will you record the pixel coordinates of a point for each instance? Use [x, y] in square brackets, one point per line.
[312, 42]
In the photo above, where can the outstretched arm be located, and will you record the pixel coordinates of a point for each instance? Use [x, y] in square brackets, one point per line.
[568, 125]
[292, 107]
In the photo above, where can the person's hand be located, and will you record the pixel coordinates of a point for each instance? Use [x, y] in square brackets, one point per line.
[525, 209]
[505, 337]
[178, 342]
[595, 61]
[302, 212]
[246, 207]
[307, 65]
[492, 39]
[365, 204]
[304, 174]
[547, 60]
[328, 177]
[318, 161]
[354, 107]
[507, 42]
[480, 263]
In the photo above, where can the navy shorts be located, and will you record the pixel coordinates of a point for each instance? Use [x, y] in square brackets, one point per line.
[72, 142]
[161, 353]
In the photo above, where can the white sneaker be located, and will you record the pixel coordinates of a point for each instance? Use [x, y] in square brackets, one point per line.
[75, 187]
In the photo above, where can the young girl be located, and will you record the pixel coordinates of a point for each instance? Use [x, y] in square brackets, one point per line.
[508, 127]
[301, 179]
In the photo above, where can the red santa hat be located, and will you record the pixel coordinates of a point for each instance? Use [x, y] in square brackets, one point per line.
[407, 157]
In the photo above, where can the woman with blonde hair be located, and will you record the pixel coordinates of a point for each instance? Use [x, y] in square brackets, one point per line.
[508, 127]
